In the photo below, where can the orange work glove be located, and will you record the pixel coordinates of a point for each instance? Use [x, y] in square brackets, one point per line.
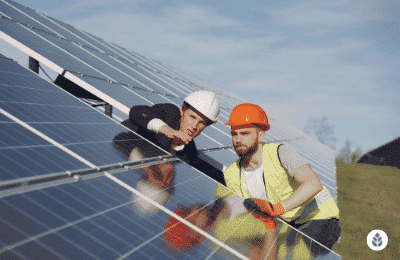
[268, 221]
[262, 206]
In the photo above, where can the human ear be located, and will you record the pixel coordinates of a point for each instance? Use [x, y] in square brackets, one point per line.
[261, 136]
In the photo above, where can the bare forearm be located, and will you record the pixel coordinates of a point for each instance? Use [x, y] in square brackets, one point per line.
[270, 247]
[305, 192]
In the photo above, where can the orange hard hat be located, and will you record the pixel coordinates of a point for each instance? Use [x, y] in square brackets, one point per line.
[247, 113]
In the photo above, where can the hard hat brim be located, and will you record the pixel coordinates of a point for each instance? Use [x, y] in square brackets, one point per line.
[249, 125]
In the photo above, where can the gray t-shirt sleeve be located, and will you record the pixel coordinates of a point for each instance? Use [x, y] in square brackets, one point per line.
[290, 159]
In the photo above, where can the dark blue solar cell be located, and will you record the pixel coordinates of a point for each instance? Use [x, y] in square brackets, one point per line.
[26, 92]
[67, 133]
[11, 170]
[36, 250]
[203, 142]
[9, 235]
[131, 177]
[153, 252]
[84, 194]
[34, 210]
[67, 249]
[11, 255]
[222, 127]
[17, 157]
[69, 201]
[225, 157]
[125, 234]
[22, 222]
[98, 153]
[125, 96]
[15, 135]
[25, 162]
[88, 243]
[109, 187]
[220, 137]
[138, 256]
[64, 161]
[51, 204]
[114, 243]
[158, 84]
[142, 227]
[4, 119]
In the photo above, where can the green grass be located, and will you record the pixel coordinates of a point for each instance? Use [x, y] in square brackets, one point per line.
[368, 199]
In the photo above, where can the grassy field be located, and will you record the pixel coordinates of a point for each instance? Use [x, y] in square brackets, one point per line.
[368, 199]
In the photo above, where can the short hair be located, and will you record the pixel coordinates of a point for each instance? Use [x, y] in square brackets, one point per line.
[260, 127]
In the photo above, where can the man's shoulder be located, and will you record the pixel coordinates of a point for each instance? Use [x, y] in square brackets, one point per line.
[271, 147]
[234, 166]
[168, 107]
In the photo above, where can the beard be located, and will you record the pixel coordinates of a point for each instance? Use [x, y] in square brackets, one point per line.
[243, 151]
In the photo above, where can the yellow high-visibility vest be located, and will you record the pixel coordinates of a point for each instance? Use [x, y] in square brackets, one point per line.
[279, 185]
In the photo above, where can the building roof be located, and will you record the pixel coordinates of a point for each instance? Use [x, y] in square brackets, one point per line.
[387, 154]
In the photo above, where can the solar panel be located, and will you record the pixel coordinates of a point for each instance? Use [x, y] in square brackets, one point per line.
[95, 217]
[121, 78]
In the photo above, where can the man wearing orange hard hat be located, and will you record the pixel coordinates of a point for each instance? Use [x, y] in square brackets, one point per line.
[276, 181]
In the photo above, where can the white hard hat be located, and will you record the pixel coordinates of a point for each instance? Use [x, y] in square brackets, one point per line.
[205, 102]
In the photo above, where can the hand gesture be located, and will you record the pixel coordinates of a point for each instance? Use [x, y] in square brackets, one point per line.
[178, 138]
[262, 212]
[262, 206]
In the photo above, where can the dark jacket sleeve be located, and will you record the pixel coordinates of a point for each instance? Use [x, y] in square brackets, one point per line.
[142, 115]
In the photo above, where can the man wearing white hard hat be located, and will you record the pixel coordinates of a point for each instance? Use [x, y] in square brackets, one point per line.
[173, 128]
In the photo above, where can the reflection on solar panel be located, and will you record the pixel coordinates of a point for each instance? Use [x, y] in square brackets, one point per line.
[46, 148]
[67, 187]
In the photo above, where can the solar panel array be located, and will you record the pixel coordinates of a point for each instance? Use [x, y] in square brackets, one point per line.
[67, 192]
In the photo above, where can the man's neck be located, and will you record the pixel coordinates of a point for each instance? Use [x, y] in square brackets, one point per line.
[253, 160]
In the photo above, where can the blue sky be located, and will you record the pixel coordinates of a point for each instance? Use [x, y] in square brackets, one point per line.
[297, 59]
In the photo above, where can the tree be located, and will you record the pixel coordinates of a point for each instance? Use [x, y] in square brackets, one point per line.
[356, 154]
[344, 154]
[321, 130]
[348, 154]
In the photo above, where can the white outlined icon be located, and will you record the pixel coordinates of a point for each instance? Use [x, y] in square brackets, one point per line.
[377, 240]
